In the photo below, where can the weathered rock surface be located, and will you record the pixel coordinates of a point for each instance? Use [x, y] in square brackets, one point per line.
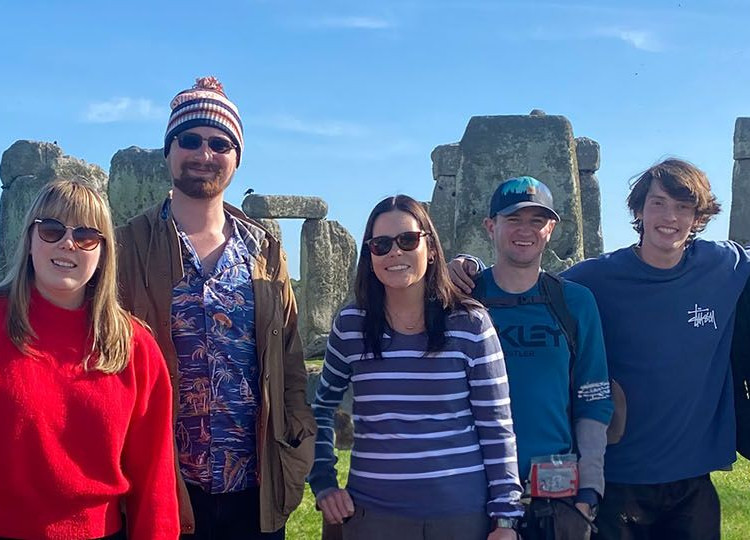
[739, 220]
[552, 263]
[328, 261]
[494, 148]
[284, 206]
[446, 161]
[25, 167]
[588, 153]
[272, 226]
[742, 138]
[138, 179]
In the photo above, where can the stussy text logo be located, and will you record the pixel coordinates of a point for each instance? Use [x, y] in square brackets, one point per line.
[701, 316]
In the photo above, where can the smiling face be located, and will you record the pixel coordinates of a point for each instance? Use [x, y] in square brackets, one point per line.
[667, 223]
[520, 238]
[398, 270]
[201, 173]
[62, 269]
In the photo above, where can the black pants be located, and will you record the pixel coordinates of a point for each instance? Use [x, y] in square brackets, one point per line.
[228, 516]
[554, 519]
[685, 510]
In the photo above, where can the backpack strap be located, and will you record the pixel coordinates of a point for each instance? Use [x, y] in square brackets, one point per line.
[513, 301]
[551, 286]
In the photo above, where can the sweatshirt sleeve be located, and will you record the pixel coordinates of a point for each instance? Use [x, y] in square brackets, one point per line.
[333, 383]
[592, 407]
[591, 439]
[592, 398]
[148, 454]
[489, 396]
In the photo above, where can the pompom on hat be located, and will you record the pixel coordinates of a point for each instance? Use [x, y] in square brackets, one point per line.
[205, 104]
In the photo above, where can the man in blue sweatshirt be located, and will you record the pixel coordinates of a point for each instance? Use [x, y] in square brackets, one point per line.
[667, 307]
[549, 410]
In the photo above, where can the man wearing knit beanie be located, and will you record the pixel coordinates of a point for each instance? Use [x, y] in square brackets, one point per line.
[213, 286]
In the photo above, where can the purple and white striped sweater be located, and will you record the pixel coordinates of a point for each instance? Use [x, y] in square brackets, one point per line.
[433, 434]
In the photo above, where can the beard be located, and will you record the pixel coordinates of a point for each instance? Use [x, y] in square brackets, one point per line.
[207, 186]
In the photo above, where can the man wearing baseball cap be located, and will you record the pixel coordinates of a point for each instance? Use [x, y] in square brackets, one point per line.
[213, 286]
[554, 352]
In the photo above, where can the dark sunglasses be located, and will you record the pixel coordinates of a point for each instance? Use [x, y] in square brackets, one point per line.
[193, 141]
[51, 231]
[406, 241]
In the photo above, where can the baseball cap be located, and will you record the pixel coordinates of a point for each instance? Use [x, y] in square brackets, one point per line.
[521, 192]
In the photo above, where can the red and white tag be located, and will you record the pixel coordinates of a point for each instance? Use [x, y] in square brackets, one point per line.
[554, 476]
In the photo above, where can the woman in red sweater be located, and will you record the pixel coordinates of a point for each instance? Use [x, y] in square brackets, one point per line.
[85, 399]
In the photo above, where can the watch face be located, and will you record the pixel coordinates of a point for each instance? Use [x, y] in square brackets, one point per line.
[507, 523]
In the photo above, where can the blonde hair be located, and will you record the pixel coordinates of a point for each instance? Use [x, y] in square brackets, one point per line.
[73, 202]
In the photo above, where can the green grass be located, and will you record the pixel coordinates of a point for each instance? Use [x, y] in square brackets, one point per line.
[734, 492]
[733, 488]
[305, 523]
[314, 362]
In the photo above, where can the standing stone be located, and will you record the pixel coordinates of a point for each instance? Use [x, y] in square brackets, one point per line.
[495, 148]
[328, 261]
[739, 220]
[588, 153]
[271, 226]
[284, 206]
[446, 160]
[138, 179]
[25, 167]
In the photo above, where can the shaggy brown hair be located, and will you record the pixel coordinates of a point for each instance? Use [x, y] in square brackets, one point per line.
[683, 181]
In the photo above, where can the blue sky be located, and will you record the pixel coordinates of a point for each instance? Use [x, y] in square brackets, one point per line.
[345, 100]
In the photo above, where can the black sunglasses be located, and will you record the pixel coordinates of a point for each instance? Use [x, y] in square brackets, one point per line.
[193, 141]
[51, 231]
[407, 241]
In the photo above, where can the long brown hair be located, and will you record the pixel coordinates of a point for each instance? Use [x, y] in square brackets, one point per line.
[441, 296]
[683, 181]
[73, 201]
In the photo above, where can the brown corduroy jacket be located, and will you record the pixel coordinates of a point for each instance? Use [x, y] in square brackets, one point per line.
[149, 267]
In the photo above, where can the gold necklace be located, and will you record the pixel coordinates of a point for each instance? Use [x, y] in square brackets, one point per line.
[419, 322]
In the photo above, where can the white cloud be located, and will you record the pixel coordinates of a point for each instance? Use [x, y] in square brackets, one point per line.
[325, 128]
[640, 39]
[124, 109]
[361, 23]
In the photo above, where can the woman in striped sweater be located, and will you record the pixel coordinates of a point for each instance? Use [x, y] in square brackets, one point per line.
[434, 452]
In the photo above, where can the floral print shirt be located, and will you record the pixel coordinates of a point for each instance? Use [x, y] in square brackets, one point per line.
[213, 329]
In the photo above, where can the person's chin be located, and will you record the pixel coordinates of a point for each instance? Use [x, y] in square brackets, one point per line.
[398, 284]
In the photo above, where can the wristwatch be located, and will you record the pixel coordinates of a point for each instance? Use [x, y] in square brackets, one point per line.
[507, 523]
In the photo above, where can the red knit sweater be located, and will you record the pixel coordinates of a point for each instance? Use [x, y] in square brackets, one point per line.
[74, 444]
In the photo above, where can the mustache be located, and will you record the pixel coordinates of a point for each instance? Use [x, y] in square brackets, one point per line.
[213, 167]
